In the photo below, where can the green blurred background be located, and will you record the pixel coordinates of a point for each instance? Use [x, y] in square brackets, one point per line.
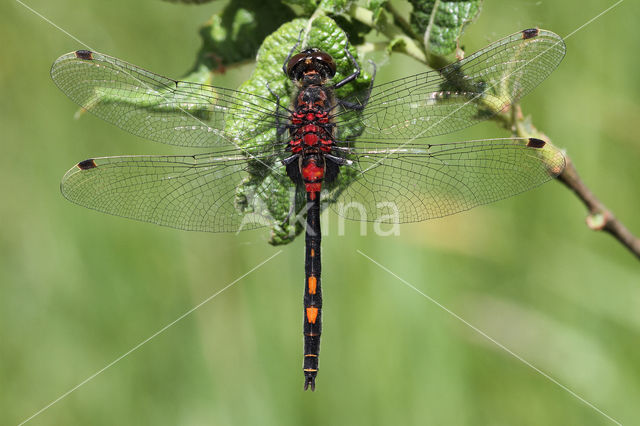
[78, 288]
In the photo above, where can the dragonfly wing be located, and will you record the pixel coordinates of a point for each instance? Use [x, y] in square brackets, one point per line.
[158, 108]
[205, 192]
[460, 94]
[419, 182]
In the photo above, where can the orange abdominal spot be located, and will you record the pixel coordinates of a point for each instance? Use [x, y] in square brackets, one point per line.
[312, 314]
[313, 283]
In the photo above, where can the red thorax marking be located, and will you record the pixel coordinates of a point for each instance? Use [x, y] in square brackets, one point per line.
[310, 139]
[308, 133]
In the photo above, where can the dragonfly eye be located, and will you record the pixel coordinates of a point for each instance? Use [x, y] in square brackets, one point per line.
[311, 61]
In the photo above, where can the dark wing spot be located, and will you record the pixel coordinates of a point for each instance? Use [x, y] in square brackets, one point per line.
[87, 55]
[530, 33]
[87, 164]
[536, 143]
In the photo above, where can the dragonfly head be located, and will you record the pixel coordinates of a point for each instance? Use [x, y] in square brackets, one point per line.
[311, 66]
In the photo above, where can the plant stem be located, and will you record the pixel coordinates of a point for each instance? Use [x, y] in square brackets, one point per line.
[600, 218]
[400, 21]
[399, 40]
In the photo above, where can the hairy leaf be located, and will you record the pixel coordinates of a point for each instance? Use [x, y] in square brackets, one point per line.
[334, 7]
[442, 22]
[235, 34]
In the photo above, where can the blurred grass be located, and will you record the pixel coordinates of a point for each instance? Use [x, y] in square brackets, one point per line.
[79, 288]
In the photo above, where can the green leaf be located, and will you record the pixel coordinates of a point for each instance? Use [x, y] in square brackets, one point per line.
[442, 22]
[376, 6]
[235, 34]
[334, 7]
[356, 29]
[308, 6]
[322, 33]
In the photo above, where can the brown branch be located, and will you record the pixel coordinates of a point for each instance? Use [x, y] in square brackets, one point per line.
[600, 218]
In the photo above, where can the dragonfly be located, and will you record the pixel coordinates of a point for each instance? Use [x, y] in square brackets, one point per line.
[369, 149]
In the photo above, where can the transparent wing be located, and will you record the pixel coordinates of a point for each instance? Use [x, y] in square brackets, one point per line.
[198, 193]
[159, 108]
[459, 95]
[419, 182]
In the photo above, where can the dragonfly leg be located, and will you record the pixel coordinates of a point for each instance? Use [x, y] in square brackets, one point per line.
[293, 49]
[359, 106]
[355, 74]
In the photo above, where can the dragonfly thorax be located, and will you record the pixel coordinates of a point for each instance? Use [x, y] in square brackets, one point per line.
[313, 98]
[311, 128]
[312, 139]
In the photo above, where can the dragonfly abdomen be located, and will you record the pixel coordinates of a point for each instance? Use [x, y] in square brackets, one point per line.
[312, 321]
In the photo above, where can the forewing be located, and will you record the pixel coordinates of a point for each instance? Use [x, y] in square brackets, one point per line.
[197, 193]
[158, 108]
[459, 95]
[418, 182]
